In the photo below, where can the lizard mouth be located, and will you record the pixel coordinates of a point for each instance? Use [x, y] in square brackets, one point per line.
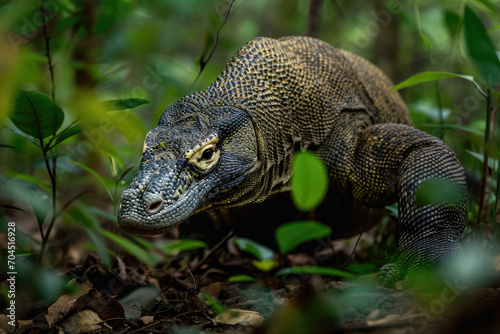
[161, 217]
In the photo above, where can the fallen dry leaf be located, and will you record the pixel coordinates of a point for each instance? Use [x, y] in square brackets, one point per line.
[83, 322]
[105, 306]
[240, 317]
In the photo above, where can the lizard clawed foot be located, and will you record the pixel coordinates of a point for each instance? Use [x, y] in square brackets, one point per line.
[390, 274]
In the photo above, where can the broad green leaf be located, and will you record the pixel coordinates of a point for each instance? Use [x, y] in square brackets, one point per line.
[36, 114]
[259, 251]
[148, 258]
[290, 235]
[124, 104]
[93, 172]
[241, 278]
[438, 191]
[309, 182]
[481, 48]
[214, 303]
[183, 245]
[432, 76]
[265, 265]
[316, 271]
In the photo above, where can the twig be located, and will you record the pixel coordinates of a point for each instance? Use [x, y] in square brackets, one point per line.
[212, 251]
[353, 251]
[47, 50]
[204, 63]
[194, 281]
[314, 18]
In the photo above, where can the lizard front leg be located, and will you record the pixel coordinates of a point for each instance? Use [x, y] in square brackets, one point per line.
[391, 161]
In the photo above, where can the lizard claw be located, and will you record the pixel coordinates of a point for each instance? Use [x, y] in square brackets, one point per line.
[391, 276]
[388, 275]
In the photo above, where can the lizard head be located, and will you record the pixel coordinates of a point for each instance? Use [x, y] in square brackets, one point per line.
[193, 160]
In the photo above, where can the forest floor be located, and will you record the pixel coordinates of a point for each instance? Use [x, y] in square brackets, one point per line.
[187, 295]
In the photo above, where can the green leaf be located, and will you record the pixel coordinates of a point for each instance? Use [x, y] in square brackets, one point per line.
[290, 235]
[124, 104]
[241, 278]
[93, 172]
[22, 134]
[316, 271]
[465, 128]
[69, 132]
[481, 48]
[100, 247]
[30, 178]
[452, 23]
[487, 5]
[309, 182]
[426, 41]
[215, 304]
[393, 210]
[91, 226]
[480, 158]
[259, 251]
[146, 244]
[115, 160]
[265, 265]
[438, 191]
[36, 114]
[493, 29]
[183, 245]
[102, 214]
[148, 258]
[433, 76]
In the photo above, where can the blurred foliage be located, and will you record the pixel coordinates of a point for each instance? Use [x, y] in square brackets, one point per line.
[107, 57]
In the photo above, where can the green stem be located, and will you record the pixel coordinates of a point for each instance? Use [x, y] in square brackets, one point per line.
[53, 180]
[495, 222]
[484, 174]
[47, 51]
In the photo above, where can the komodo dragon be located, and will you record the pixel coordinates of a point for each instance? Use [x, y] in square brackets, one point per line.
[233, 143]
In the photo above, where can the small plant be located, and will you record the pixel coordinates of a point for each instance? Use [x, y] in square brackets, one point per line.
[482, 53]
[39, 119]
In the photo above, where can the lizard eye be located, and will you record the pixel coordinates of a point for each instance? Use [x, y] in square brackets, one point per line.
[207, 154]
[206, 157]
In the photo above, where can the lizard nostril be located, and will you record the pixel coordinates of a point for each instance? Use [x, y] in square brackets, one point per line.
[155, 206]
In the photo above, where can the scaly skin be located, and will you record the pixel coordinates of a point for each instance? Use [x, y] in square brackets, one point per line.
[233, 144]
